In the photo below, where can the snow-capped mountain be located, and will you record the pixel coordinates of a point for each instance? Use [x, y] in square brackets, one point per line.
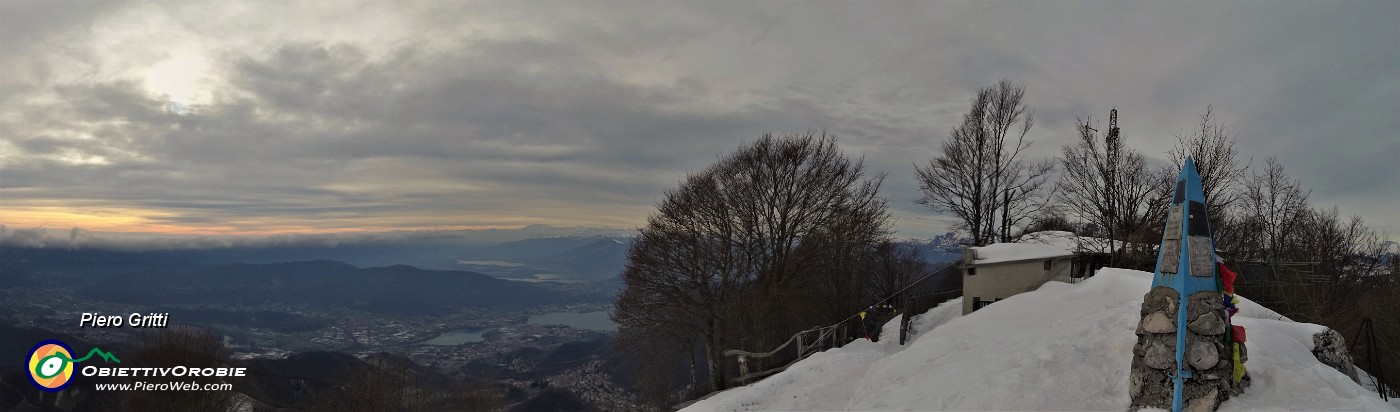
[942, 248]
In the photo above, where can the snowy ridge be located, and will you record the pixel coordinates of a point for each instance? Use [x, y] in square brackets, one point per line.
[1062, 347]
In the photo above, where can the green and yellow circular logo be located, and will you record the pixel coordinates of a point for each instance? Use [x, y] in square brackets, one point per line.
[51, 365]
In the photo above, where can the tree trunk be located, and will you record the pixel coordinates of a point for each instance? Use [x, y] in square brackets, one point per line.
[694, 372]
[716, 359]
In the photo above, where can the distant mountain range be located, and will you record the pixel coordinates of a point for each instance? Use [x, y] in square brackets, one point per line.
[947, 247]
[578, 257]
[398, 289]
[429, 249]
[604, 257]
[576, 254]
[542, 247]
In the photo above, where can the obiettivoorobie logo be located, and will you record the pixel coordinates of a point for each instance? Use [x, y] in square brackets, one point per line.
[51, 364]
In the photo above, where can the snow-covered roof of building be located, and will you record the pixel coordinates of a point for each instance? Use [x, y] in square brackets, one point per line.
[1011, 252]
[1068, 241]
[1038, 245]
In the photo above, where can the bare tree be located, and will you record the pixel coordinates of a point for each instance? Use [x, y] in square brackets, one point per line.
[737, 254]
[979, 175]
[667, 372]
[892, 266]
[1273, 207]
[657, 331]
[1326, 269]
[1322, 268]
[1359, 276]
[1111, 187]
[1056, 218]
[681, 274]
[1349, 255]
[1217, 161]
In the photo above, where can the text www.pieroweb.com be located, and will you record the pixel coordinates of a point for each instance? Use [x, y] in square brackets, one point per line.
[164, 386]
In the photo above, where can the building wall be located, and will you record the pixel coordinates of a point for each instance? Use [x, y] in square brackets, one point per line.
[999, 281]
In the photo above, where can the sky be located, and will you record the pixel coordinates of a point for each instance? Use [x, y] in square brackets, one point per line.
[272, 118]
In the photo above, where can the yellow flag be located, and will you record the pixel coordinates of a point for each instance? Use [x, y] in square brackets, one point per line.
[862, 316]
[1239, 366]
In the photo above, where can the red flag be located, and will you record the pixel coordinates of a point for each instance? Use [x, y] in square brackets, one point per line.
[1228, 278]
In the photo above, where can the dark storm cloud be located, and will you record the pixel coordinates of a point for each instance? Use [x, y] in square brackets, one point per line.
[516, 113]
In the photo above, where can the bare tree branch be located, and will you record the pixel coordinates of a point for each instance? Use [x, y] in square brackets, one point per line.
[979, 175]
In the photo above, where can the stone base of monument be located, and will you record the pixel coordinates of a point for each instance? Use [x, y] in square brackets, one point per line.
[1206, 356]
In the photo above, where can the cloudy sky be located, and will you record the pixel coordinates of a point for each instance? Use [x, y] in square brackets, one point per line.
[259, 118]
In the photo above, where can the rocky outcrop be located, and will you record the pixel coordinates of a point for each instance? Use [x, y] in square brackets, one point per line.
[1206, 356]
[1331, 349]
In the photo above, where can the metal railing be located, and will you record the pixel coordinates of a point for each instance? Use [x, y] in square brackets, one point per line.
[804, 344]
[818, 339]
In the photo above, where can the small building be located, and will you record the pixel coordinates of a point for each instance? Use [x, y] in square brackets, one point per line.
[1002, 270]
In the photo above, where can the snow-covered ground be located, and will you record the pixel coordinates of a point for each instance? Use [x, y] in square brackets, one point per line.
[1062, 347]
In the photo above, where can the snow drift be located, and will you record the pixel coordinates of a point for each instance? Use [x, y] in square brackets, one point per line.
[1062, 347]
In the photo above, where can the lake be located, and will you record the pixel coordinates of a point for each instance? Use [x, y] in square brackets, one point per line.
[590, 320]
[490, 263]
[456, 337]
[545, 277]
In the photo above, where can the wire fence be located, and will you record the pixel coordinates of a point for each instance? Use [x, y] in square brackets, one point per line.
[1300, 291]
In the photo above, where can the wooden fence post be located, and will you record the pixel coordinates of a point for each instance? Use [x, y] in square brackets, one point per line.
[904, 310]
[903, 327]
[800, 348]
[743, 370]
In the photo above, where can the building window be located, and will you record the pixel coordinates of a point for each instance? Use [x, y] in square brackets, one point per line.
[972, 271]
[978, 303]
[1049, 264]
